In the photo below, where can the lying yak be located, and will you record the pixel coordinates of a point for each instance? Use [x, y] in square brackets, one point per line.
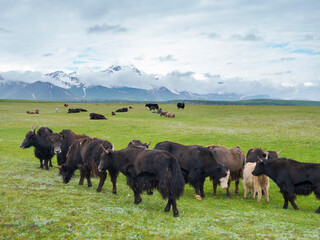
[84, 154]
[97, 116]
[43, 149]
[197, 163]
[234, 160]
[292, 177]
[146, 170]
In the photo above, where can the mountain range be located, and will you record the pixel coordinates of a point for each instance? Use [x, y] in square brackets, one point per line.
[114, 83]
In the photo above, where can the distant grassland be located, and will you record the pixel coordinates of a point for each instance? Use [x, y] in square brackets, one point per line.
[34, 204]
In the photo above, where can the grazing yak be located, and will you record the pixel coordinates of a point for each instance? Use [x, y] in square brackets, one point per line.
[66, 105]
[234, 160]
[122, 110]
[139, 143]
[145, 170]
[197, 163]
[152, 106]
[254, 154]
[255, 183]
[76, 110]
[96, 116]
[84, 154]
[113, 113]
[61, 143]
[43, 149]
[292, 177]
[180, 105]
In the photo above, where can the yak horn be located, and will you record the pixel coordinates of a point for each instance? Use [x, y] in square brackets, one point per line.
[103, 149]
[32, 127]
[260, 160]
[132, 142]
[34, 130]
[149, 142]
[112, 147]
[267, 155]
[57, 166]
[279, 151]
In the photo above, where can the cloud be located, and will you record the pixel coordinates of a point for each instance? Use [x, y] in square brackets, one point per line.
[247, 37]
[208, 75]
[282, 73]
[306, 51]
[47, 55]
[167, 58]
[3, 30]
[106, 28]
[287, 59]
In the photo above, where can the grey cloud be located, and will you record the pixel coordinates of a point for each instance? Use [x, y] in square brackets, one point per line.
[167, 58]
[213, 35]
[247, 37]
[106, 28]
[287, 59]
[283, 73]
[208, 75]
[47, 55]
[4, 30]
[181, 74]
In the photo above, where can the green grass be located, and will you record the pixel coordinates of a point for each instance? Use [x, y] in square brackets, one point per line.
[34, 204]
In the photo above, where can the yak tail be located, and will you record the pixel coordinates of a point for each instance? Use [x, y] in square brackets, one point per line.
[171, 184]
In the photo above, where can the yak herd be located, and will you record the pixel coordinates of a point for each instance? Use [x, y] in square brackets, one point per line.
[170, 165]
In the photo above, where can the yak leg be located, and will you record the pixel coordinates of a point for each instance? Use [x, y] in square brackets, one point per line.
[81, 178]
[149, 192]
[50, 164]
[285, 205]
[266, 192]
[259, 190]
[137, 198]
[88, 173]
[253, 193]
[228, 192]
[317, 193]
[294, 205]
[214, 185]
[174, 208]
[201, 190]
[114, 182]
[246, 190]
[103, 176]
[167, 208]
[236, 190]
[46, 164]
[41, 163]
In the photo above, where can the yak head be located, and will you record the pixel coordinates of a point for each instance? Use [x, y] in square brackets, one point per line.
[56, 139]
[29, 139]
[138, 143]
[105, 158]
[223, 174]
[66, 172]
[260, 168]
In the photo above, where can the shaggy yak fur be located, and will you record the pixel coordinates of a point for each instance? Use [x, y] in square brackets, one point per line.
[196, 164]
[292, 177]
[234, 160]
[84, 154]
[43, 149]
[254, 154]
[145, 170]
[61, 143]
[255, 183]
[180, 105]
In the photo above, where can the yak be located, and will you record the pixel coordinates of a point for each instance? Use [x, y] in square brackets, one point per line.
[254, 154]
[84, 154]
[180, 105]
[139, 143]
[197, 163]
[292, 177]
[234, 160]
[43, 149]
[152, 106]
[61, 143]
[96, 116]
[122, 110]
[145, 170]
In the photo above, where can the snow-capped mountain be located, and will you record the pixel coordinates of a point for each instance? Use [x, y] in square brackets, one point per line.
[119, 82]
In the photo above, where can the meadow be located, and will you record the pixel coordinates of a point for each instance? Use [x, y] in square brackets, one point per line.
[35, 204]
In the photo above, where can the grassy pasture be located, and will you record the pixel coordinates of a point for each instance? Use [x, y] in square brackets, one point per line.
[34, 204]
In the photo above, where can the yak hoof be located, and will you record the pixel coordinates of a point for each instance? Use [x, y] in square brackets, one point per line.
[114, 192]
[150, 193]
[137, 201]
[175, 214]
[198, 197]
[98, 190]
[166, 209]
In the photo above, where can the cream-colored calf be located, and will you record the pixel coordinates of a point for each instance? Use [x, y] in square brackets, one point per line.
[255, 183]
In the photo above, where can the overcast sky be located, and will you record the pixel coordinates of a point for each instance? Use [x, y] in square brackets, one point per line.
[271, 45]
